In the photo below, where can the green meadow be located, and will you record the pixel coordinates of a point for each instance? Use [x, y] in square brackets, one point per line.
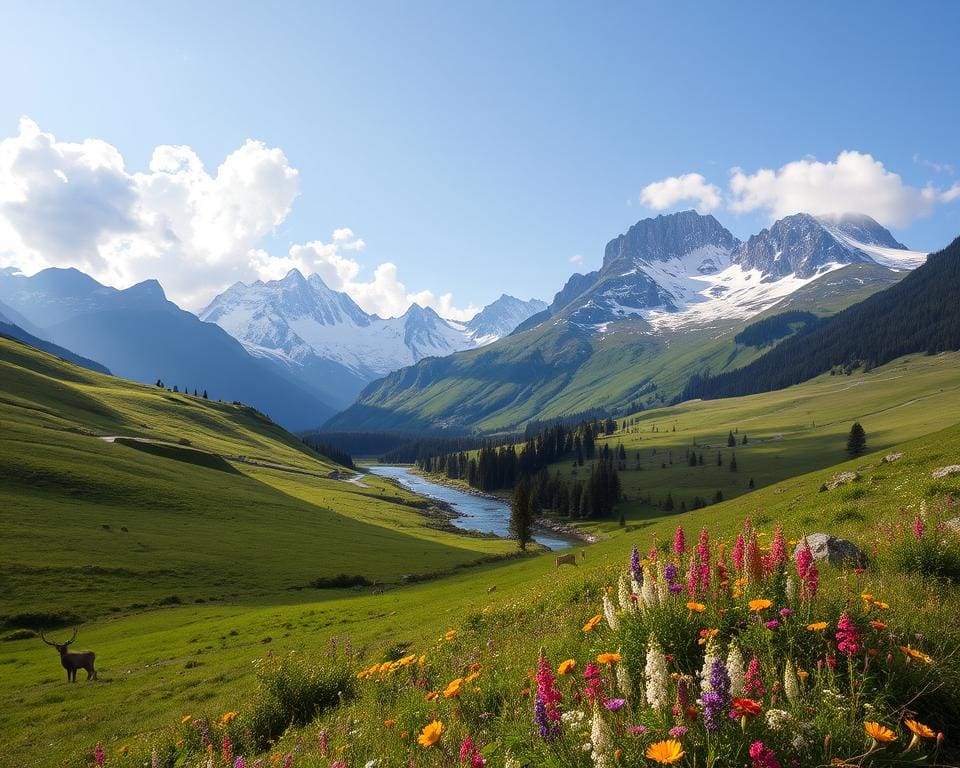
[213, 570]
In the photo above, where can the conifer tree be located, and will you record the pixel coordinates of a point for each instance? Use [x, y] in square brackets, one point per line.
[733, 463]
[521, 514]
[731, 440]
[857, 440]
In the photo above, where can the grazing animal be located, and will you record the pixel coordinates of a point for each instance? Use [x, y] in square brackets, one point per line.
[491, 589]
[566, 560]
[74, 660]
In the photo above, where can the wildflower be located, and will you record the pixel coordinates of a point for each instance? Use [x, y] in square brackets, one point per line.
[99, 756]
[431, 733]
[790, 589]
[671, 573]
[471, 677]
[227, 718]
[791, 685]
[453, 689]
[759, 605]
[706, 635]
[623, 594]
[227, 748]
[450, 634]
[848, 636]
[656, 676]
[696, 607]
[918, 527]
[614, 704]
[601, 741]
[762, 756]
[913, 653]
[778, 547]
[678, 731]
[546, 713]
[738, 554]
[920, 731]
[566, 666]
[431, 695]
[610, 613]
[817, 626]
[878, 624]
[637, 730]
[665, 752]
[323, 742]
[623, 680]
[389, 723]
[703, 558]
[746, 707]
[807, 571]
[239, 762]
[593, 680]
[736, 669]
[648, 591]
[772, 624]
[778, 719]
[679, 541]
[753, 680]
[608, 658]
[589, 626]
[716, 701]
[879, 733]
[185, 719]
[636, 570]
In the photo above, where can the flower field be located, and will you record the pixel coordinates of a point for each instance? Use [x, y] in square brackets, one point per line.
[741, 650]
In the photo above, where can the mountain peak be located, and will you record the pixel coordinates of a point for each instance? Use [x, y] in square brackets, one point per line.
[667, 236]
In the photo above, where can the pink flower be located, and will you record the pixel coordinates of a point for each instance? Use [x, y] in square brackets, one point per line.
[99, 757]
[679, 541]
[848, 636]
[763, 757]
[778, 548]
[614, 704]
[808, 573]
[753, 680]
[918, 527]
[739, 549]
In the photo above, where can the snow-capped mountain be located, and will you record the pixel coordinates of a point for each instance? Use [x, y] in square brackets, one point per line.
[686, 269]
[500, 318]
[305, 323]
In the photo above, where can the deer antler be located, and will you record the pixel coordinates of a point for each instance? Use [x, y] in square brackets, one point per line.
[43, 637]
[74, 637]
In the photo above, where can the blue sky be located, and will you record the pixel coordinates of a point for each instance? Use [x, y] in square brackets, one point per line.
[479, 147]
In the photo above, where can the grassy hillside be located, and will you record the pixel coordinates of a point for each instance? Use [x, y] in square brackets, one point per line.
[560, 368]
[219, 505]
[164, 664]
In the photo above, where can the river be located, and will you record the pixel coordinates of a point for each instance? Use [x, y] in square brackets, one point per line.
[475, 513]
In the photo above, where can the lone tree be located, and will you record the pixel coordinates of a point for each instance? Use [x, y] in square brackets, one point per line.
[521, 514]
[857, 440]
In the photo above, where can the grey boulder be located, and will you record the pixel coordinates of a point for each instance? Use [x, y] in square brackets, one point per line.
[833, 549]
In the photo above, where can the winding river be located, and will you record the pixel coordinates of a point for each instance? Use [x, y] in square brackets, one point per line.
[476, 513]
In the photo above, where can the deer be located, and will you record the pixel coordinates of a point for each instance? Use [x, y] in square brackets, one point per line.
[73, 660]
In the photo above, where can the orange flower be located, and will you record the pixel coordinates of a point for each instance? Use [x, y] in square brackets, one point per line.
[747, 707]
[453, 689]
[471, 677]
[817, 626]
[588, 627]
[431, 696]
[608, 658]
[431, 733]
[880, 604]
[227, 717]
[803, 674]
[665, 752]
[878, 624]
[696, 607]
[705, 635]
[185, 719]
[913, 653]
[566, 666]
[450, 635]
[389, 723]
[867, 597]
[879, 733]
[921, 730]
[759, 605]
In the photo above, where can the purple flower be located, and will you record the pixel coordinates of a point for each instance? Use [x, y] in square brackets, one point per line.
[637, 730]
[614, 704]
[678, 731]
[786, 612]
[772, 624]
[635, 567]
[670, 573]
[239, 762]
[717, 700]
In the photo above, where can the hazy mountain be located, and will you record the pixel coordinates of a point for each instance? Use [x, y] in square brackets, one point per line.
[137, 333]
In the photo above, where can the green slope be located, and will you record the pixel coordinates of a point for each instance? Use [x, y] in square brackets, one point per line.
[220, 505]
[559, 369]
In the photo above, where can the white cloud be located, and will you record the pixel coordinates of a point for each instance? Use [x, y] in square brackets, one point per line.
[75, 204]
[949, 195]
[576, 259]
[674, 190]
[853, 182]
[933, 166]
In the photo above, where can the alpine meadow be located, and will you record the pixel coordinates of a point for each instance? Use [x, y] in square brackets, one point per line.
[515, 385]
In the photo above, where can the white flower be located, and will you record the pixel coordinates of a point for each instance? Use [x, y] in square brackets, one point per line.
[601, 741]
[610, 613]
[710, 655]
[791, 685]
[778, 719]
[790, 589]
[798, 742]
[623, 681]
[511, 762]
[371, 763]
[623, 594]
[649, 589]
[736, 668]
[657, 676]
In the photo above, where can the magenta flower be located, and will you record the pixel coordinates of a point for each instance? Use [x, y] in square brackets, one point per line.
[918, 527]
[679, 541]
[848, 636]
[637, 730]
[99, 757]
[739, 550]
[753, 680]
[772, 624]
[762, 756]
[678, 731]
[614, 704]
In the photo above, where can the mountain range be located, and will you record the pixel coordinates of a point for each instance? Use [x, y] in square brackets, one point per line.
[671, 294]
[323, 338]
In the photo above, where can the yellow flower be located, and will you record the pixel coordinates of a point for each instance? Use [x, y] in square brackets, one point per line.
[921, 730]
[759, 605]
[608, 658]
[913, 653]
[453, 689]
[566, 666]
[471, 677]
[227, 717]
[665, 752]
[185, 719]
[817, 626]
[450, 635]
[867, 597]
[696, 607]
[879, 733]
[430, 734]
[588, 627]
[880, 604]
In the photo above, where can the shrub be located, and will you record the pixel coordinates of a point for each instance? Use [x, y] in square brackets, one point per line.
[340, 581]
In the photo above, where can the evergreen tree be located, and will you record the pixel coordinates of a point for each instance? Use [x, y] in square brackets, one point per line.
[751, 485]
[521, 514]
[731, 440]
[718, 497]
[744, 441]
[175, 388]
[857, 440]
[719, 459]
[668, 504]
[693, 460]
[159, 383]
[700, 460]
[733, 463]
[205, 395]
